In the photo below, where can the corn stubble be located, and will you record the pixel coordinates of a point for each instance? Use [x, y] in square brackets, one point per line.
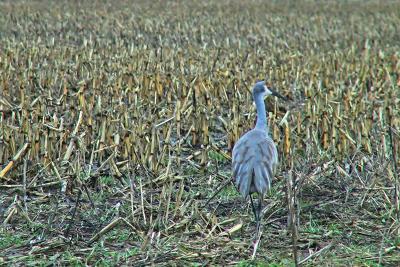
[146, 96]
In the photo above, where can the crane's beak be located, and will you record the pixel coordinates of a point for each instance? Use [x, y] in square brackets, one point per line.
[275, 93]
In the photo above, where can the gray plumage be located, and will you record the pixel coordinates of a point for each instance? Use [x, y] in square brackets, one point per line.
[255, 157]
[254, 161]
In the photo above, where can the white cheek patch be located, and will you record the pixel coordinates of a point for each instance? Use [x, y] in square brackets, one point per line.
[267, 91]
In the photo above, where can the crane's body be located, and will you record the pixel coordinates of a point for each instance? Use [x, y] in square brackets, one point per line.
[255, 157]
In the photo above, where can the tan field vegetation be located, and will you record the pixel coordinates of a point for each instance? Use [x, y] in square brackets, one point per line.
[117, 121]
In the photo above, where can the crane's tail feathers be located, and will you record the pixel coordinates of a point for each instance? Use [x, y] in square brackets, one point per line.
[262, 178]
[243, 180]
[236, 171]
[260, 182]
[268, 173]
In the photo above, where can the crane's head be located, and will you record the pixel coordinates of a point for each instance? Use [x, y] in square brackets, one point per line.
[260, 88]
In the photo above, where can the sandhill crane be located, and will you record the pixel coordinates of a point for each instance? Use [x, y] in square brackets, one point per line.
[255, 157]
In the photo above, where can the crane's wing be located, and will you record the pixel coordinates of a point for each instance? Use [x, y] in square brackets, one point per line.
[254, 160]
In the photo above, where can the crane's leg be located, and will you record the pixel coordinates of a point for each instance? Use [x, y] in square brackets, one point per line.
[257, 238]
[259, 209]
[254, 207]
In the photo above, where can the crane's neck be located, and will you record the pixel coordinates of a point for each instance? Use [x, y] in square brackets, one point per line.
[261, 114]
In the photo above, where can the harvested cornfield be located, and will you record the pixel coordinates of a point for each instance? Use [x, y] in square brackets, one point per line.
[117, 120]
